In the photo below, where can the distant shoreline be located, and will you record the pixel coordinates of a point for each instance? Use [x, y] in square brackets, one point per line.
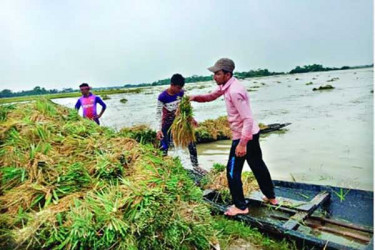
[138, 88]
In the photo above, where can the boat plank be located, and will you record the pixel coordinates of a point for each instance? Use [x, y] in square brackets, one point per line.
[318, 200]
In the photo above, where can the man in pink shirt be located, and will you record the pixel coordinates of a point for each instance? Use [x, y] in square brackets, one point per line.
[245, 136]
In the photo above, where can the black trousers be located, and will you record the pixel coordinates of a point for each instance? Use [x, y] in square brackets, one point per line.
[254, 159]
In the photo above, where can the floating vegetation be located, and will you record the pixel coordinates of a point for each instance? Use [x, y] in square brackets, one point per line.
[105, 97]
[262, 126]
[324, 87]
[309, 83]
[134, 90]
[124, 100]
[253, 88]
[182, 129]
[71, 94]
[333, 79]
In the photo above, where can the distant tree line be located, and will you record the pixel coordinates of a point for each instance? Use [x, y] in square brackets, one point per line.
[319, 67]
[195, 78]
[35, 91]
[256, 73]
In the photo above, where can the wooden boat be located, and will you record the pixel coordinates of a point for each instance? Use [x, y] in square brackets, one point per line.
[314, 216]
[273, 127]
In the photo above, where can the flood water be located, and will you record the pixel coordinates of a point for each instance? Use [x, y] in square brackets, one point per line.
[330, 140]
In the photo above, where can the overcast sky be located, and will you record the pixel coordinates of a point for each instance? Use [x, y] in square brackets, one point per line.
[59, 44]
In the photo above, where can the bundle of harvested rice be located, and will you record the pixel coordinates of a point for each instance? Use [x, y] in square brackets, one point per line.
[213, 129]
[182, 129]
[68, 183]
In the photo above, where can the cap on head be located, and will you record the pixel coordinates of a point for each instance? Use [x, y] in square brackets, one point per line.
[223, 64]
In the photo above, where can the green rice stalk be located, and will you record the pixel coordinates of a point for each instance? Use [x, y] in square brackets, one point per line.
[182, 129]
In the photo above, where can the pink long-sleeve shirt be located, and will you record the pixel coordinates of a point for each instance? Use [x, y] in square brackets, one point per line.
[240, 117]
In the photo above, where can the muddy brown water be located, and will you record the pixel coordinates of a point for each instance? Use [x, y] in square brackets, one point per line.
[330, 140]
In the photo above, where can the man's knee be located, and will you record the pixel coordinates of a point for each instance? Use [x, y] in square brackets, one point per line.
[256, 163]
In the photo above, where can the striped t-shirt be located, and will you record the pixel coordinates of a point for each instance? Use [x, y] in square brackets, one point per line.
[166, 108]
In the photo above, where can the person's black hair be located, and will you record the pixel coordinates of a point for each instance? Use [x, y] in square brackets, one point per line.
[83, 85]
[178, 79]
[226, 71]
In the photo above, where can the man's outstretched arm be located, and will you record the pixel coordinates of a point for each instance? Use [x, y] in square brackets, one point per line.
[207, 97]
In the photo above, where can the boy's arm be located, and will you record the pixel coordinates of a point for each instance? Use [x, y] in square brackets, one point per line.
[159, 113]
[207, 97]
[104, 106]
[78, 104]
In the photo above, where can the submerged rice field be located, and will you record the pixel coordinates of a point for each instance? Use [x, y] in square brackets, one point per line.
[329, 141]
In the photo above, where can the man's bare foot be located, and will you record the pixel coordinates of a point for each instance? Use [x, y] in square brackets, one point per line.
[233, 210]
[271, 201]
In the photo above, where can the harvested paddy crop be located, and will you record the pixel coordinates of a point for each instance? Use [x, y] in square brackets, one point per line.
[216, 179]
[69, 183]
[182, 129]
[141, 133]
[324, 87]
[207, 131]
[213, 129]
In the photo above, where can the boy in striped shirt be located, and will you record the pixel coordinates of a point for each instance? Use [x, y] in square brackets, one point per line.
[168, 102]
